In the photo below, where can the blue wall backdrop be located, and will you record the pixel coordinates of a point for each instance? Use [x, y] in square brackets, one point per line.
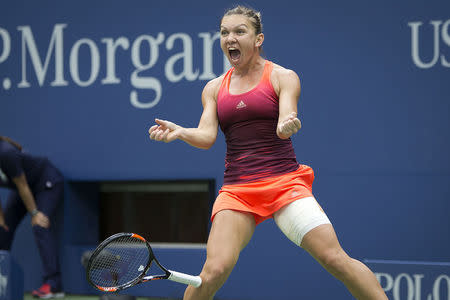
[81, 82]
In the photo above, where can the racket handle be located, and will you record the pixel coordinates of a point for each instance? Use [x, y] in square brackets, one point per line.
[185, 278]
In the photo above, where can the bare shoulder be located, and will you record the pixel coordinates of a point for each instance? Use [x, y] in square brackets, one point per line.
[282, 76]
[280, 72]
[211, 88]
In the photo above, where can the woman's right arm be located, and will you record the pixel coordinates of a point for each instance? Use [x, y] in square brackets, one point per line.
[204, 136]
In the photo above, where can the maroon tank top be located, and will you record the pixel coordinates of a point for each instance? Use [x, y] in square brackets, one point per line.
[249, 122]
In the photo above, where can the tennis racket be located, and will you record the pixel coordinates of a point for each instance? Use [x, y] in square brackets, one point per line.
[122, 261]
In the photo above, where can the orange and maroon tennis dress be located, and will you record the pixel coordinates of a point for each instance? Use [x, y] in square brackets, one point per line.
[261, 170]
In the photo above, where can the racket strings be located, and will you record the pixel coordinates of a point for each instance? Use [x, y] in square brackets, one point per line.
[122, 261]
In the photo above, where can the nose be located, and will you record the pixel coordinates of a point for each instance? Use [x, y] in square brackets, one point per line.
[231, 37]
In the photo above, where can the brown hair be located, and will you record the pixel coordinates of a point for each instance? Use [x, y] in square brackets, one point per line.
[7, 139]
[253, 15]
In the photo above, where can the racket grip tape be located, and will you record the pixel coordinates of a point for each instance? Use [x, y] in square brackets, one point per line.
[195, 281]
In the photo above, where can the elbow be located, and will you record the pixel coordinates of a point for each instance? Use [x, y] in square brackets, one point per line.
[206, 146]
[208, 143]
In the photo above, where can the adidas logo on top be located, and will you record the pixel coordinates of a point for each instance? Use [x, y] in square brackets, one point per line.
[241, 105]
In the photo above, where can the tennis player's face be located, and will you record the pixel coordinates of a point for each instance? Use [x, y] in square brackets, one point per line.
[238, 39]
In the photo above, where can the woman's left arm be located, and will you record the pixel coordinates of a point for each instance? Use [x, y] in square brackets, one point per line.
[288, 86]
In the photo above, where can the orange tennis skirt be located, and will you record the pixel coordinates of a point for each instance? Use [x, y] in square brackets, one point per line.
[264, 197]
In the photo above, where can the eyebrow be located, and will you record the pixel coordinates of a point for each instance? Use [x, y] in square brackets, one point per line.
[243, 24]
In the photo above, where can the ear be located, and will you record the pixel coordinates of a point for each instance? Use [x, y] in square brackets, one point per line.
[259, 40]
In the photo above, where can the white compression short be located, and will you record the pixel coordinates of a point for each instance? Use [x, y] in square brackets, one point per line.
[299, 217]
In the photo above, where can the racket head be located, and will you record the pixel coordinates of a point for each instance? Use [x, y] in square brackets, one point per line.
[119, 262]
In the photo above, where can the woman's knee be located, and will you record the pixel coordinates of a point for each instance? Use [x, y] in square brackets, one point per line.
[335, 261]
[216, 273]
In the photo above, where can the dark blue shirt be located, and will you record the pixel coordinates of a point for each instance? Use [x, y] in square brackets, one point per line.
[14, 163]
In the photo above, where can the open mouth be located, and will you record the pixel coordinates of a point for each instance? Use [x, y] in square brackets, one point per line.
[235, 54]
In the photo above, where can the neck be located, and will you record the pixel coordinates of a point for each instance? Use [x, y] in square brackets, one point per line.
[252, 65]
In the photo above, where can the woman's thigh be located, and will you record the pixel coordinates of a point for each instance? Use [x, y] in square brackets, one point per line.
[230, 233]
[300, 217]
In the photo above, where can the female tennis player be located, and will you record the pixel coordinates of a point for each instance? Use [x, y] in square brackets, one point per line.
[255, 105]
